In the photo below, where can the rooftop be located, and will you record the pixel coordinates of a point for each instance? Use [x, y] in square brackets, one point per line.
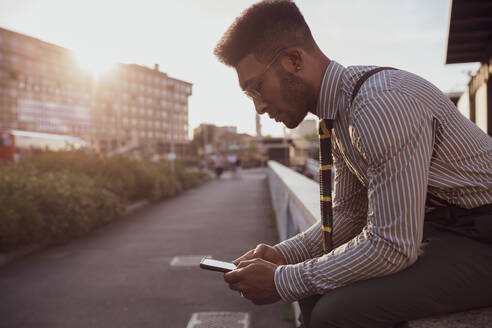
[470, 31]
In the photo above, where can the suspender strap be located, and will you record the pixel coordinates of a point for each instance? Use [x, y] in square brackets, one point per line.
[364, 78]
[431, 200]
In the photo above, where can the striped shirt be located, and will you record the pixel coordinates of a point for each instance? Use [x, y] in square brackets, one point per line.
[400, 139]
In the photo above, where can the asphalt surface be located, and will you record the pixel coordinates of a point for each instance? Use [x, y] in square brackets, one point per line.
[120, 275]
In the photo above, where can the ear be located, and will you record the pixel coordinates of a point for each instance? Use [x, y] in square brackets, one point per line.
[292, 60]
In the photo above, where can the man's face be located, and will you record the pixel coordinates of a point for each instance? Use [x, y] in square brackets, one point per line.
[284, 96]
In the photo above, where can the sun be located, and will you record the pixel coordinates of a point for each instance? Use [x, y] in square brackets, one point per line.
[94, 62]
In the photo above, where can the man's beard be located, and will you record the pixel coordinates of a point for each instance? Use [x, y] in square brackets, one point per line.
[297, 93]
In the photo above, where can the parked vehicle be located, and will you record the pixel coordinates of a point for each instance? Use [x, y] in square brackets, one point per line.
[16, 144]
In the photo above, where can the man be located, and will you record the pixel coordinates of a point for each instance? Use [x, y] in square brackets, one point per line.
[397, 142]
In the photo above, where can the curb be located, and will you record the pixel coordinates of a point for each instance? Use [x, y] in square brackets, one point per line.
[6, 258]
[132, 208]
[9, 257]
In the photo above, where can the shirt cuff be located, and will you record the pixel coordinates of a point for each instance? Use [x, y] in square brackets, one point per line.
[293, 250]
[290, 283]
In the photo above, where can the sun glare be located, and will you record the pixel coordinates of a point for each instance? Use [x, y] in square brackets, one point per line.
[95, 63]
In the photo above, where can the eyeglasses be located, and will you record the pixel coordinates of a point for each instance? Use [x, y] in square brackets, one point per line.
[252, 91]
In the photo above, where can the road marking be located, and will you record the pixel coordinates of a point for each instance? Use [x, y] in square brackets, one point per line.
[219, 320]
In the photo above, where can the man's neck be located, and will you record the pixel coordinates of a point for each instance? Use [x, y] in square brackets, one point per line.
[323, 63]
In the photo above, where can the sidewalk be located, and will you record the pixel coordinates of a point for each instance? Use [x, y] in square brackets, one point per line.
[121, 275]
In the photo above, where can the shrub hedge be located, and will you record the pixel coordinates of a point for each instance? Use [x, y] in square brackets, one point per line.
[53, 197]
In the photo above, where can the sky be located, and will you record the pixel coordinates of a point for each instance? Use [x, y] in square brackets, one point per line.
[180, 36]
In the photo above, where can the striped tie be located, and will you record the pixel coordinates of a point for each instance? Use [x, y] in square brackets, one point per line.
[326, 164]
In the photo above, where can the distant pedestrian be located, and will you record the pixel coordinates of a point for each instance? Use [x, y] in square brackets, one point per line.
[232, 165]
[238, 167]
[218, 165]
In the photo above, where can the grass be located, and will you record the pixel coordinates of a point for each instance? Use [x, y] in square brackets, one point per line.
[290, 314]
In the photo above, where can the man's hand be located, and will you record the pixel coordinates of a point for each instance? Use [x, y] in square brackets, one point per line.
[262, 251]
[254, 279]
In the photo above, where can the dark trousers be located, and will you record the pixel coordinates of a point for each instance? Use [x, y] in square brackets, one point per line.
[454, 274]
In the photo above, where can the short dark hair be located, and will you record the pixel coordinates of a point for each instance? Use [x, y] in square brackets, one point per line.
[263, 29]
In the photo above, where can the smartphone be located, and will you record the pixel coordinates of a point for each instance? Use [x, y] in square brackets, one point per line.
[216, 265]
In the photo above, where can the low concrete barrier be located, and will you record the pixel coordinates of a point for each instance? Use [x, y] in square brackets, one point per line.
[295, 200]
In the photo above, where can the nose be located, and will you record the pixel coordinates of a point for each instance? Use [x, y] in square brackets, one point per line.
[260, 106]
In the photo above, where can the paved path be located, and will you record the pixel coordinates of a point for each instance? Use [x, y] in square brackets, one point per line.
[120, 276]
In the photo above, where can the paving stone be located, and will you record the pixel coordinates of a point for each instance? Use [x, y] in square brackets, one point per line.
[480, 318]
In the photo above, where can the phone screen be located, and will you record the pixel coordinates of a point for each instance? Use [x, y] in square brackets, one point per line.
[217, 265]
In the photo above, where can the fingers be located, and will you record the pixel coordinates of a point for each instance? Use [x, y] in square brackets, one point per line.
[244, 264]
[247, 256]
[233, 277]
[235, 281]
[260, 251]
[237, 275]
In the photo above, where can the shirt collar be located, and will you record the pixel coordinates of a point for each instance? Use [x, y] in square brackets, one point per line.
[330, 91]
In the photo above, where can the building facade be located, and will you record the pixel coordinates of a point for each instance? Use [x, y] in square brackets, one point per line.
[470, 40]
[138, 105]
[43, 89]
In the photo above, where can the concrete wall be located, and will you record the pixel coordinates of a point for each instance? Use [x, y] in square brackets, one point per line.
[463, 104]
[295, 199]
[481, 116]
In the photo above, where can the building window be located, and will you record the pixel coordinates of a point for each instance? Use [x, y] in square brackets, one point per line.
[14, 59]
[14, 42]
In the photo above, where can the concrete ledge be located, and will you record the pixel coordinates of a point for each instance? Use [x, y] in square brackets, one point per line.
[295, 199]
[479, 318]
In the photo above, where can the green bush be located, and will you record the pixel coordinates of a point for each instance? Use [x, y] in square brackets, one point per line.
[53, 197]
[51, 207]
